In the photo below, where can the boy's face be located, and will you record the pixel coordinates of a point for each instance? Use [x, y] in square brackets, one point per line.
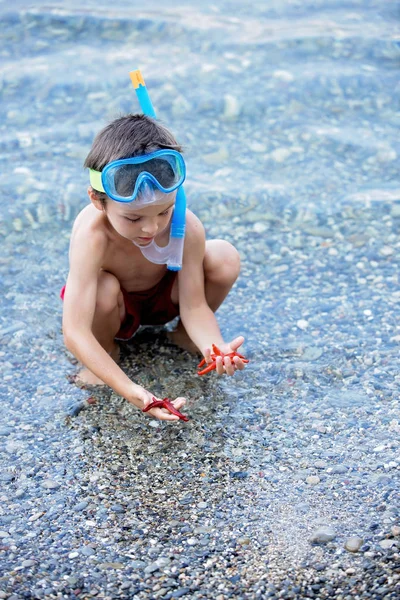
[140, 225]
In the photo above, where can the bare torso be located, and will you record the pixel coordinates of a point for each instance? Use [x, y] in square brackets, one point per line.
[121, 257]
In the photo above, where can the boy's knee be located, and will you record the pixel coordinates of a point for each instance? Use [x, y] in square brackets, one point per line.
[108, 291]
[225, 261]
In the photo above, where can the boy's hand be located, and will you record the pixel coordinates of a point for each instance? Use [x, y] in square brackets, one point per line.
[146, 398]
[225, 365]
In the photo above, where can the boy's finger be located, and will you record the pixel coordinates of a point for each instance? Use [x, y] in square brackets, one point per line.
[229, 367]
[239, 364]
[207, 355]
[219, 365]
[164, 415]
[237, 342]
[179, 402]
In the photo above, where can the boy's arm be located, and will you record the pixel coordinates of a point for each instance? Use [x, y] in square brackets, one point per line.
[197, 317]
[79, 305]
[86, 256]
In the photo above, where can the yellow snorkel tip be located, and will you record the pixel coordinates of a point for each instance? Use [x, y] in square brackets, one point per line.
[137, 78]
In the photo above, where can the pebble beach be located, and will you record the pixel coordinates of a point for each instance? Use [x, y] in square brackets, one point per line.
[285, 482]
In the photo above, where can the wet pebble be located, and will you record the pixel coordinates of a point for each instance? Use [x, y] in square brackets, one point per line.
[81, 506]
[353, 544]
[313, 480]
[49, 484]
[323, 535]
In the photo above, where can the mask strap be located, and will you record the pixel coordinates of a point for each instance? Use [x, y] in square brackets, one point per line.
[95, 180]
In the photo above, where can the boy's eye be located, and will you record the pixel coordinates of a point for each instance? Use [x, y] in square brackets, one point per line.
[132, 220]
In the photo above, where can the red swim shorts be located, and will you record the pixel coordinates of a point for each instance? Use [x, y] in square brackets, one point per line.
[150, 307]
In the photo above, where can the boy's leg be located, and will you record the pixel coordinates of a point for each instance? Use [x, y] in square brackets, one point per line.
[221, 269]
[109, 313]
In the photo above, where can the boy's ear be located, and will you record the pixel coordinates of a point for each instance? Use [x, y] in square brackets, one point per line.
[94, 198]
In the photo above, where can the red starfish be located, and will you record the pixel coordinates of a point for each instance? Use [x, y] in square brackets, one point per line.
[213, 365]
[165, 403]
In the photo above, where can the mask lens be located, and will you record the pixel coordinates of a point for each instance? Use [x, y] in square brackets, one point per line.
[126, 180]
[163, 171]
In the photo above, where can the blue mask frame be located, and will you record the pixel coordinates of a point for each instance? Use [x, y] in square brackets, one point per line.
[105, 181]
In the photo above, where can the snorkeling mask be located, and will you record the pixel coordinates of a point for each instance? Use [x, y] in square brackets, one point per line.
[143, 179]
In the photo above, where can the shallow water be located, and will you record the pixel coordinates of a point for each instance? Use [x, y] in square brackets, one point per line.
[289, 114]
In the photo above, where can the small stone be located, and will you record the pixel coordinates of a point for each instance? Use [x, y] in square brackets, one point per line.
[386, 155]
[311, 353]
[320, 464]
[180, 592]
[202, 529]
[36, 516]
[286, 76]
[258, 147]
[338, 470]
[323, 535]
[73, 555]
[386, 544]
[239, 474]
[87, 551]
[192, 541]
[387, 251]
[231, 107]
[302, 324]
[243, 541]
[137, 564]
[313, 480]
[353, 544]
[81, 506]
[49, 484]
[395, 530]
[126, 585]
[28, 563]
[260, 227]
[111, 565]
[216, 158]
[379, 448]
[152, 567]
[280, 154]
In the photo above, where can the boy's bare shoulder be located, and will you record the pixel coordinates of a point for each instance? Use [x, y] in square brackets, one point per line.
[90, 229]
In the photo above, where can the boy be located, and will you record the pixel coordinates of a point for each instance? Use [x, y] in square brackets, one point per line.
[112, 288]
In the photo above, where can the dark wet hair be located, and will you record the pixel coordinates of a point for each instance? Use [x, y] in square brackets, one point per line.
[127, 136]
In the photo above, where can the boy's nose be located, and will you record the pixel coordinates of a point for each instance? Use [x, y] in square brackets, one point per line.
[150, 227]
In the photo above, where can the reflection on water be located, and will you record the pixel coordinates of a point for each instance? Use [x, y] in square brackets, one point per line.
[288, 115]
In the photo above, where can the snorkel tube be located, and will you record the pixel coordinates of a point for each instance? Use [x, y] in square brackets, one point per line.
[172, 254]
